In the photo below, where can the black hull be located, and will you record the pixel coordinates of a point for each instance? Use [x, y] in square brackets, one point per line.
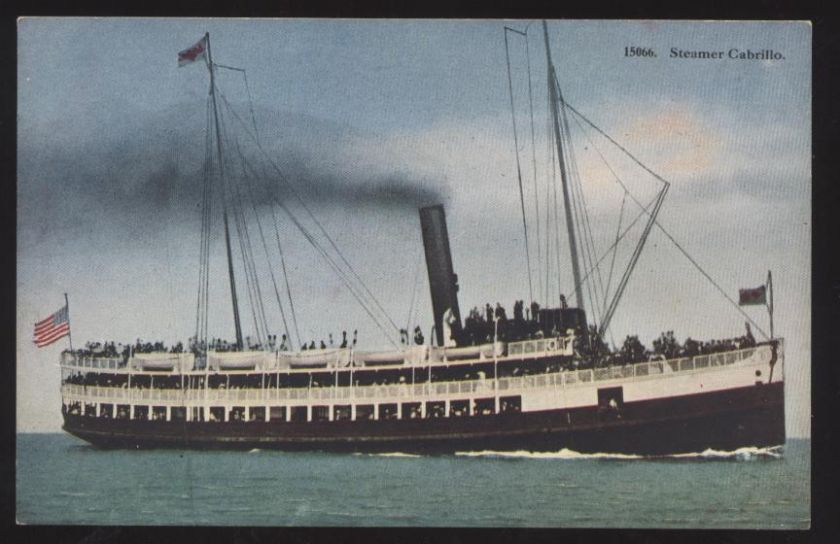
[723, 420]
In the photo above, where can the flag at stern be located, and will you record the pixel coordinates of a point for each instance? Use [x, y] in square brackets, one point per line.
[52, 328]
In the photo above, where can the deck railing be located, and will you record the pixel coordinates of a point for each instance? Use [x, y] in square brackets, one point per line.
[338, 358]
[408, 391]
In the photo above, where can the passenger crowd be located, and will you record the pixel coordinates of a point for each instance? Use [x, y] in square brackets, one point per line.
[667, 346]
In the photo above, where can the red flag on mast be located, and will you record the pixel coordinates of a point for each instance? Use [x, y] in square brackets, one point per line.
[192, 54]
[748, 297]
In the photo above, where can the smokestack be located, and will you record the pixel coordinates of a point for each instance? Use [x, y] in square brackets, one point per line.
[443, 282]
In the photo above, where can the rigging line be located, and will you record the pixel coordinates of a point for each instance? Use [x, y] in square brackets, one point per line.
[618, 180]
[575, 175]
[518, 166]
[264, 244]
[221, 163]
[342, 275]
[589, 249]
[203, 227]
[248, 278]
[534, 159]
[607, 164]
[260, 307]
[312, 216]
[622, 284]
[549, 182]
[254, 296]
[201, 250]
[208, 230]
[247, 90]
[615, 249]
[623, 234]
[250, 104]
[708, 277]
[297, 338]
[577, 214]
[209, 219]
[244, 245]
[250, 254]
[661, 228]
[589, 238]
[338, 271]
[309, 212]
[258, 289]
[413, 289]
[557, 229]
[285, 277]
[345, 279]
[207, 234]
[607, 136]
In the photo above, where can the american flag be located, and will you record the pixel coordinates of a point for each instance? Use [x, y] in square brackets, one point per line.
[52, 328]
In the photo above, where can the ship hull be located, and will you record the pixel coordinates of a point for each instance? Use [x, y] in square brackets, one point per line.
[722, 420]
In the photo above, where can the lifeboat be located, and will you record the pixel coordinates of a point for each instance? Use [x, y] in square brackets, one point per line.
[163, 361]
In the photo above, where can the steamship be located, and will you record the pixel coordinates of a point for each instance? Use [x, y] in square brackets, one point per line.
[538, 383]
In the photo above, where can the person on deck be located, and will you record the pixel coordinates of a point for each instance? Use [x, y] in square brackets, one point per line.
[500, 312]
[343, 339]
[517, 310]
[535, 311]
[418, 336]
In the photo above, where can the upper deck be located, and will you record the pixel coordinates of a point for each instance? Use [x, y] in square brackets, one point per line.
[248, 362]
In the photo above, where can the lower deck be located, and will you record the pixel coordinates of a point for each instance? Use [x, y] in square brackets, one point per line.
[728, 419]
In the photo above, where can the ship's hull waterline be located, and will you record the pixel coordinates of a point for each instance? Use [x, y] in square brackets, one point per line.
[721, 420]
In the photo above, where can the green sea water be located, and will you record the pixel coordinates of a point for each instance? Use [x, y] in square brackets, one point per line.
[61, 480]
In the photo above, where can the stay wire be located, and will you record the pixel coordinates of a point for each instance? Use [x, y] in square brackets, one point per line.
[662, 229]
[534, 159]
[249, 187]
[579, 204]
[285, 276]
[589, 249]
[518, 166]
[335, 267]
[309, 212]
[264, 243]
[251, 279]
[623, 199]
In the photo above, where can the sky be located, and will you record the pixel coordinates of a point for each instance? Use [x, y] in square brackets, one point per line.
[368, 120]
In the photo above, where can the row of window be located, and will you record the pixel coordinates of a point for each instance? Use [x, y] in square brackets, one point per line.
[364, 412]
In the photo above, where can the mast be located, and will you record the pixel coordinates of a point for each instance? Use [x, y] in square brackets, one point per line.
[556, 97]
[70, 336]
[233, 297]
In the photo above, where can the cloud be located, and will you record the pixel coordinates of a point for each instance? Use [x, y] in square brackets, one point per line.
[147, 170]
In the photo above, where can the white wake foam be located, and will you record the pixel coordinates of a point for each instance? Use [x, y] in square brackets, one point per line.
[390, 454]
[562, 454]
[740, 454]
[745, 454]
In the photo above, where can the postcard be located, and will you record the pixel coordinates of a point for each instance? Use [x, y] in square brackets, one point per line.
[423, 273]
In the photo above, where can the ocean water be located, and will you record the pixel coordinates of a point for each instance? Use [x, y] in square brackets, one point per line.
[62, 480]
